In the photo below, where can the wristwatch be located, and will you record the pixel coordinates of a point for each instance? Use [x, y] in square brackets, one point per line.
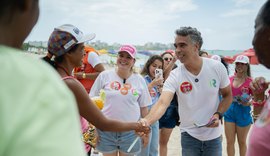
[83, 75]
[220, 115]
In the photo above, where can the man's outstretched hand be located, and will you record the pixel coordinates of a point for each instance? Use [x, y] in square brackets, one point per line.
[143, 127]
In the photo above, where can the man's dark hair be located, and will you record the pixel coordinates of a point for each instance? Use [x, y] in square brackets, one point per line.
[265, 13]
[194, 34]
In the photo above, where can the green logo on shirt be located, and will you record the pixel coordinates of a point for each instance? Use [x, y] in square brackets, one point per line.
[213, 83]
[134, 92]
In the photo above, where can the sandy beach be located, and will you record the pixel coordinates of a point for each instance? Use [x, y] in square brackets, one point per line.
[174, 148]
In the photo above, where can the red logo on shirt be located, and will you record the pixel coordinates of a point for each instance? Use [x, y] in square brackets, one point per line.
[115, 85]
[186, 87]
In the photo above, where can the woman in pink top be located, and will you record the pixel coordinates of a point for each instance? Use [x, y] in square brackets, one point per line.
[238, 117]
[260, 133]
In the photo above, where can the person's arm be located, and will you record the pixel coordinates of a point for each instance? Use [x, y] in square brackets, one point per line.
[258, 86]
[144, 111]
[92, 76]
[145, 138]
[154, 83]
[223, 105]
[159, 108]
[94, 60]
[226, 99]
[91, 113]
[99, 68]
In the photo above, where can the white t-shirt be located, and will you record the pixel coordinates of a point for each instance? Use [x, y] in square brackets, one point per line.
[198, 96]
[123, 101]
[93, 59]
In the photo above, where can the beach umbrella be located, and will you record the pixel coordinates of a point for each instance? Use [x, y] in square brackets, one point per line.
[112, 51]
[228, 59]
[144, 52]
[250, 53]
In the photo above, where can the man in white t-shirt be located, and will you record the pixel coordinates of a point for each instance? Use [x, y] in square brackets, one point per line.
[198, 82]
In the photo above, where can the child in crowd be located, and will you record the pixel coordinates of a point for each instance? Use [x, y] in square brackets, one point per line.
[153, 76]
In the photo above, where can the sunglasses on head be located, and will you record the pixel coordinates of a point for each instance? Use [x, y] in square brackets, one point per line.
[167, 59]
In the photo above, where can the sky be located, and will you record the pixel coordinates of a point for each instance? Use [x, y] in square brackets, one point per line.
[224, 24]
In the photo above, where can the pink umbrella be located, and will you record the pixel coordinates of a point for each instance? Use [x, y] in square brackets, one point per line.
[250, 53]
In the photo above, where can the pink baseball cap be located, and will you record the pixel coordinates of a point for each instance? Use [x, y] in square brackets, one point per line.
[130, 49]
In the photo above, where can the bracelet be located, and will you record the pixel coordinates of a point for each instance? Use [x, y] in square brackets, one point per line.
[220, 115]
[258, 103]
[83, 75]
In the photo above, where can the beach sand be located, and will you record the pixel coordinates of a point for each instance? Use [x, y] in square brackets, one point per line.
[174, 148]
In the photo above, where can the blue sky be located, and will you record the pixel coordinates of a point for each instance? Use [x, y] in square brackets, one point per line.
[224, 24]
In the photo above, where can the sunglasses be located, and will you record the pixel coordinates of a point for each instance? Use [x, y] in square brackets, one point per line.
[167, 59]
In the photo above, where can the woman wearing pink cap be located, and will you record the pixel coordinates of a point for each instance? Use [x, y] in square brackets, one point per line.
[127, 98]
[66, 44]
[238, 117]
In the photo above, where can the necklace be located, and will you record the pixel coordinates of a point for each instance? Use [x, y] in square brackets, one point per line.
[64, 69]
[240, 78]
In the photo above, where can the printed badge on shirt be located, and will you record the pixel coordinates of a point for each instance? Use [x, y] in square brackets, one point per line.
[115, 85]
[186, 87]
[264, 118]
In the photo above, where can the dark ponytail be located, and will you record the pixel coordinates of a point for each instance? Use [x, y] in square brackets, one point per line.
[48, 59]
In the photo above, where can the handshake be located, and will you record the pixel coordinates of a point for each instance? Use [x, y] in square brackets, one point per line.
[142, 130]
[143, 127]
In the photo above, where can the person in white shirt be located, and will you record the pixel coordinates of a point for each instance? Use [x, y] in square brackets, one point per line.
[197, 83]
[127, 98]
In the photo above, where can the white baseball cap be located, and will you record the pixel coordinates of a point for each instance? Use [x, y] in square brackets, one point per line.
[64, 37]
[242, 59]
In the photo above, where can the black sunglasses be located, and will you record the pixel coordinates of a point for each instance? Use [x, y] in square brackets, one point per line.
[167, 59]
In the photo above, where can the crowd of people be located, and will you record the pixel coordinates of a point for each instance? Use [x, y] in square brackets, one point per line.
[47, 111]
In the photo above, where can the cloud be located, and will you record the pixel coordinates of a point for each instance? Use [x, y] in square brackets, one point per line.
[239, 3]
[142, 21]
[117, 20]
[238, 12]
[182, 5]
[132, 11]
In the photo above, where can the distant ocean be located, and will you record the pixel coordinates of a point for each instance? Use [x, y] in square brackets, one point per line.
[256, 70]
